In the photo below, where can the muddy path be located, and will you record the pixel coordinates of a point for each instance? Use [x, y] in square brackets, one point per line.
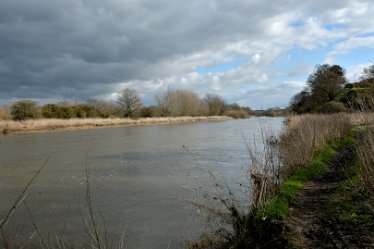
[312, 225]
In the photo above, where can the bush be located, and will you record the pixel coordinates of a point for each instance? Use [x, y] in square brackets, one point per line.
[50, 111]
[348, 86]
[24, 109]
[237, 114]
[149, 112]
[331, 107]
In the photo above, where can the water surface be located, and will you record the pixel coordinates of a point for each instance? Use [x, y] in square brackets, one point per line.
[141, 177]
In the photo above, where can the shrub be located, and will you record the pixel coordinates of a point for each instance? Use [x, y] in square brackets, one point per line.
[348, 86]
[24, 109]
[331, 107]
[50, 111]
[237, 113]
[148, 112]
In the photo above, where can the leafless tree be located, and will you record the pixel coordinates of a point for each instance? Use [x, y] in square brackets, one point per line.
[216, 105]
[130, 102]
[368, 73]
[179, 103]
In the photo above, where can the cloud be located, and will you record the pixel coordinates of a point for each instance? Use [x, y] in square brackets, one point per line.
[75, 50]
[278, 95]
[349, 44]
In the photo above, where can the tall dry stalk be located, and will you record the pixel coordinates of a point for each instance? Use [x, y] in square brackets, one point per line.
[98, 237]
[21, 196]
[365, 152]
[264, 168]
[308, 133]
[239, 223]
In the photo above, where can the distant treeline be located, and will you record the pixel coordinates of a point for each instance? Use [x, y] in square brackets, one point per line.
[328, 91]
[170, 103]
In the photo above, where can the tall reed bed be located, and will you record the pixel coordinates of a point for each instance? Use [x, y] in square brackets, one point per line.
[7, 126]
[308, 133]
[271, 162]
[365, 152]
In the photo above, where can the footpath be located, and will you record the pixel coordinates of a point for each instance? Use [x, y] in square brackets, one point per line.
[313, 222]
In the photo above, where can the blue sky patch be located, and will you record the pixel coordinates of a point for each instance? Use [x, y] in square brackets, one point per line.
[334, 26]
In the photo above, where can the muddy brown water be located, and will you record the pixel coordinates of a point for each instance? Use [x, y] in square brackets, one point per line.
[141, 177]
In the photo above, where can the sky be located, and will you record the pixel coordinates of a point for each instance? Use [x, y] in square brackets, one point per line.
[254, 53]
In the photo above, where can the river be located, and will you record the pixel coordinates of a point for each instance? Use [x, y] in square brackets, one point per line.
[142, 178]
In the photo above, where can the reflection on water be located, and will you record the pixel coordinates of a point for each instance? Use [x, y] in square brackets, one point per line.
[141, 177]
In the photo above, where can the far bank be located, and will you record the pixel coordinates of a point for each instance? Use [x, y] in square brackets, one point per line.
[43, 125]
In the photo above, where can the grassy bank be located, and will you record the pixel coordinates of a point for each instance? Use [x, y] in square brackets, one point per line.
[61, 124]
[277, 208]
[303, 151]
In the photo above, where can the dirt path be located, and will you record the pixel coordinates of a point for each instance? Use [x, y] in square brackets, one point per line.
[310, 225]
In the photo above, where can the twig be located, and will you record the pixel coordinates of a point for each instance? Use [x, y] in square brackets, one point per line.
[21, 197]
[34, 224]
[95, 228]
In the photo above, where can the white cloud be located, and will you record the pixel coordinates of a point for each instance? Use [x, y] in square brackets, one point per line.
[256, 58]
[349, 44]
[71, 49]
[354, 72]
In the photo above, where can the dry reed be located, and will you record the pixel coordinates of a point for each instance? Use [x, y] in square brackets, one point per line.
[7, 126]
[365, 152]
[308, 133]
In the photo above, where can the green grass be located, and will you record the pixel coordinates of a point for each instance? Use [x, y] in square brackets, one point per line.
[277, 208]
[348, 202]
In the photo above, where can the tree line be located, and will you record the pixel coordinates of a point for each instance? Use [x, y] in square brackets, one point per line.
[169, 103]
[328, 91]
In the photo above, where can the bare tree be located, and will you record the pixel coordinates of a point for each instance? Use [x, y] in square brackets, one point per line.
[130, 102]
[164, 101]
[179, 102]
[368, 73]
[216, 105]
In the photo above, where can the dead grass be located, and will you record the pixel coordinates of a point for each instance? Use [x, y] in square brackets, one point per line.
[306, 134]
[7, 126]
[272, 161]
[5, 113]
[233, 222]
[365, 152]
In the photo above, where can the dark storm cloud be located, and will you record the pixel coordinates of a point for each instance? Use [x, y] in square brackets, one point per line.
[77, 49]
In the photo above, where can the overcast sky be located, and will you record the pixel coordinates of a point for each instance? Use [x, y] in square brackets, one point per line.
[255, 53]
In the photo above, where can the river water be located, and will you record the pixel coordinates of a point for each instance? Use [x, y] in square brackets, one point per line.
[142, 178]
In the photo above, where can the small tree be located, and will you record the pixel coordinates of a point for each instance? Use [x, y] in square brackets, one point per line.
[24, 109]
[216, 105]
[130, 102]
[326, 82]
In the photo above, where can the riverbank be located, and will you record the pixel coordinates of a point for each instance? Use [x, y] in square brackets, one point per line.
[43, 125]
[318, 193]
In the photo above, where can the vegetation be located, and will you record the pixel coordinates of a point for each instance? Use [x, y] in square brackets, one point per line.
[215, 104]
[130, 103]
[52, 124]
[300, 154]
[271, 112]
[24, 109]
[170, 103]
[328, 91]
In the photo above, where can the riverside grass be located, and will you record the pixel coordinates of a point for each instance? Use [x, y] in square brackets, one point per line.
[277, 208]
[35, 125]
[304, 148]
